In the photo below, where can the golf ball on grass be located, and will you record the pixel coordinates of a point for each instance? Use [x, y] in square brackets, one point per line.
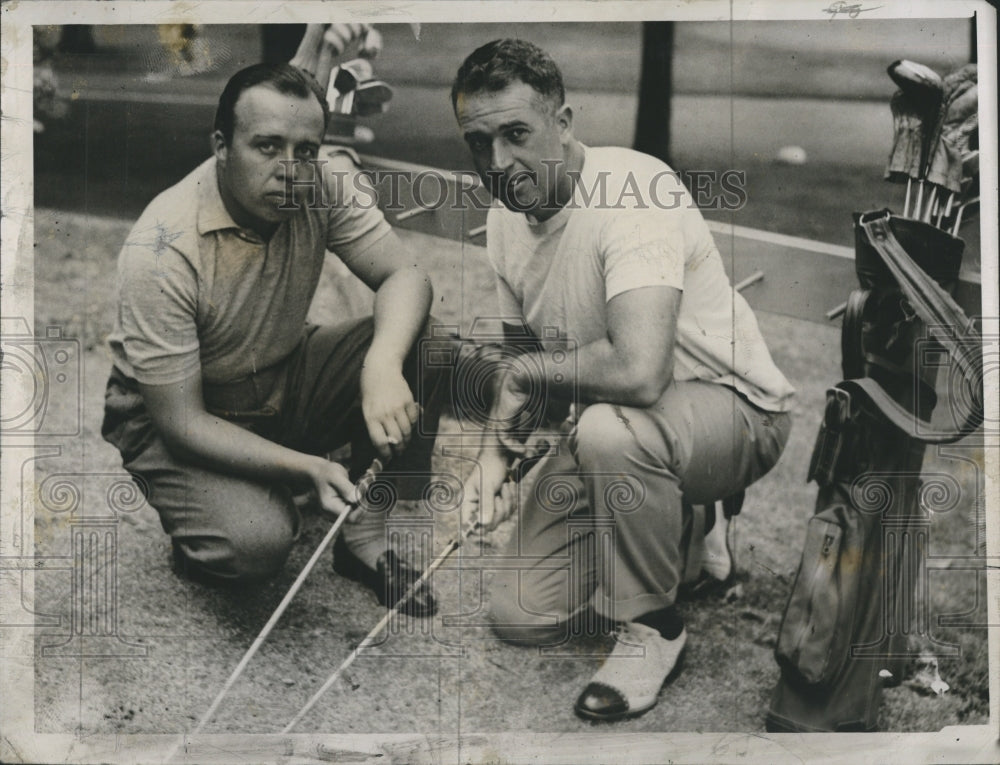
[791, 155]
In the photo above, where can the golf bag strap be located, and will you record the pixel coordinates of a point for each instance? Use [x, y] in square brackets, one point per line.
[937, 310]
[850, 337]
[865, 390]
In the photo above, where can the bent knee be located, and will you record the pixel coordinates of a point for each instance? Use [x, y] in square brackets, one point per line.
[246, 554]
[603, 432]
[259, 558]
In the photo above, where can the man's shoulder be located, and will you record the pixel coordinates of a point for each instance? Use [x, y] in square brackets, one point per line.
[618, 159]
[182, 199]
[619, 186]
[171, 218]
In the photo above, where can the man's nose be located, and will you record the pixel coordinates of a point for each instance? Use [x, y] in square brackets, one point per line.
[289, 167]
[284, 166]
[500, 155]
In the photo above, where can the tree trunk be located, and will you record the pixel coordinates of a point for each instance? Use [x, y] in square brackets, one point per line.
[652, 129]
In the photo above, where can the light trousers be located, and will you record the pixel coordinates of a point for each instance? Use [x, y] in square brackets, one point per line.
[232, 528]
[604, 519]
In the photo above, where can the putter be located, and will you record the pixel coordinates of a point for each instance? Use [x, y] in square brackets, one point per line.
[518, 469]
[453, 545]
[374, 470]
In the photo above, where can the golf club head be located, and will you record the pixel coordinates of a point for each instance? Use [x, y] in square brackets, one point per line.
[360, 69]
[371, 97]
[345, 82]
[913, 77]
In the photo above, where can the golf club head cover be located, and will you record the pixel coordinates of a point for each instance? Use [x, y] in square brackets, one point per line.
[957, 128]
[905, 159]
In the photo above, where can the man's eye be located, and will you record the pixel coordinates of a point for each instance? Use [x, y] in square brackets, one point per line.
[478, 145]
[307, 152]
[517, 135]
[267, 147]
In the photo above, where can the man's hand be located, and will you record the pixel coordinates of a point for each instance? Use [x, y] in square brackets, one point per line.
[512, 409]
[322, 43]
[339, 36]
[487, 495]
[388, 407]
[337, 495]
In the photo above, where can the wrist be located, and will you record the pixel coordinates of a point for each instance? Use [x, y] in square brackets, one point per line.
[382, 360]
[308, 467]
[517, 378]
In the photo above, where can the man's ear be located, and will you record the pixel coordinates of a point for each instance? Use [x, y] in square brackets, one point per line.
[219, 147]
[564, 119]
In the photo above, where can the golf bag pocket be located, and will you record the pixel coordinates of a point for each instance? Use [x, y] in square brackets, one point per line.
[816, 629]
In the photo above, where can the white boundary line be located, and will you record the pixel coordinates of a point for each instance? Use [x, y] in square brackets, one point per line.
[784, 240]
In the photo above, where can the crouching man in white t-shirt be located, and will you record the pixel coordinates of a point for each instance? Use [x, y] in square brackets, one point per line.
[603, 256]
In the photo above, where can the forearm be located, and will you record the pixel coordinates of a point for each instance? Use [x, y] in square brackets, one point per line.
[228, 448]
[402, 304]
[632, 365]
[597, 372]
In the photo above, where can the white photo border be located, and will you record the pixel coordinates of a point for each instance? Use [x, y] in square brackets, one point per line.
[20, 743]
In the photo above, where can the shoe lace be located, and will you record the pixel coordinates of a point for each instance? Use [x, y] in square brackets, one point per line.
[623, 634]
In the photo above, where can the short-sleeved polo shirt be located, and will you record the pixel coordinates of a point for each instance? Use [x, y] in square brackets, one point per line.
[197, 291]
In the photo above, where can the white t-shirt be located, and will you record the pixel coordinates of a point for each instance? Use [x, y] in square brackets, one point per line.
[632, 224]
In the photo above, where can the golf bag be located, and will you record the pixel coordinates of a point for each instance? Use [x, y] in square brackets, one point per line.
[852, 605]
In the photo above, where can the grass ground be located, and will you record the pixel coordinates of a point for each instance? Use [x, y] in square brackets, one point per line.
[432, 676]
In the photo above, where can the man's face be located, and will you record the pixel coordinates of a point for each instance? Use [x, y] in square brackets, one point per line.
[275, 138]
[518, 142]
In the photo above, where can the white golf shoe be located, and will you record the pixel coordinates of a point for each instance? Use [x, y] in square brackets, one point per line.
[629, 681]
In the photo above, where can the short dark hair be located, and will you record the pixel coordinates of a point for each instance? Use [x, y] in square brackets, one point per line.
[284, 78]
[500, 63]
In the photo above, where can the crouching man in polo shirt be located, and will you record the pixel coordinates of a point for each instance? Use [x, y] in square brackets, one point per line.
[222, 400]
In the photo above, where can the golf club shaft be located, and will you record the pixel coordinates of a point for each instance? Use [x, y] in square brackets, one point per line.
[374, 633]
[906, 202]
[931, 199]
[951, 201]
[958, 215]
[282, 606]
